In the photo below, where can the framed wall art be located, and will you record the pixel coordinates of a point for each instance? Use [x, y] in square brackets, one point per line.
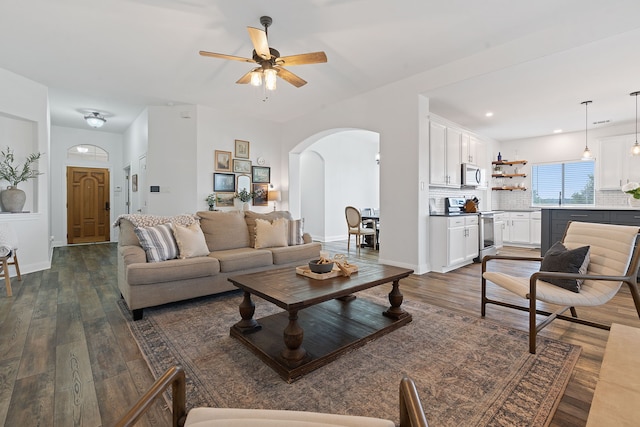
[223, 161]
[241, 166]
[242, 149]
[261, 198]
[225, 182]
[261, 174]
[225, 200]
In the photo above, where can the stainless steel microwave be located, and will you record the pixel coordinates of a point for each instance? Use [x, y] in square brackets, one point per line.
[471, 175]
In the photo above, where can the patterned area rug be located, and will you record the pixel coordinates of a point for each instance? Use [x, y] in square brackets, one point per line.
[469, 371]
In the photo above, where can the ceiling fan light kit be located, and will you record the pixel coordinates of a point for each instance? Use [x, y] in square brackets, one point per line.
[95, 119]
[271, 64]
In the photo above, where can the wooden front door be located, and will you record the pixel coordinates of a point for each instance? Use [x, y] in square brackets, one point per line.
[87, 205]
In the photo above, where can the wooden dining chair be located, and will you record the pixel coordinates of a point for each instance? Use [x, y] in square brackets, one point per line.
[8, 255]
[355, 228]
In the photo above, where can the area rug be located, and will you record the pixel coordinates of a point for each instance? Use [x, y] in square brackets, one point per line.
[469, 371]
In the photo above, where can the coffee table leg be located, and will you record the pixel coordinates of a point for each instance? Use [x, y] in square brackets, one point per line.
[294, 354]
[395, 298]
[247, 309]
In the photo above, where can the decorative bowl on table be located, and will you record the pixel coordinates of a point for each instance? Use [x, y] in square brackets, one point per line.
[316, 267]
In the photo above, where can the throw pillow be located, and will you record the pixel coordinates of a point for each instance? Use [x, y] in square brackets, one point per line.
[190, 240]
[296, 230]
[158, 242]
[560, 259]
[271, 234]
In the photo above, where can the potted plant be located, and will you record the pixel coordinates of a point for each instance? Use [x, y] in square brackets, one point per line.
[211, 201]
[13, 198]
[245, 197]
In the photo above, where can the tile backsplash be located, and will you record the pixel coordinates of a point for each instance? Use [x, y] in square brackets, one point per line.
[439, 194]
[518, 199]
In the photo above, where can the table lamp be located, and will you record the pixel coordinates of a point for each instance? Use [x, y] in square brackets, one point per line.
[273, 196]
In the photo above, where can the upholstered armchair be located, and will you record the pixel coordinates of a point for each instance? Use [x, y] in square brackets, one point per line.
[411, 412]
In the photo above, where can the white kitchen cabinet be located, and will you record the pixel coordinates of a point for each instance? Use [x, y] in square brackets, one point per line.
[615, 165]
[499, 224]
[444, 156]
[535, 227]
[453, 241]
[472, 150]
[517, 228]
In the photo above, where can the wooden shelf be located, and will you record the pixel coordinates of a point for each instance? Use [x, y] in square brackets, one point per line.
[514, 162]
[508, 188]
[508, 175]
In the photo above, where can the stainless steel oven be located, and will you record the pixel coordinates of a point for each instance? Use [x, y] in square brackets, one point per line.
[487, 235]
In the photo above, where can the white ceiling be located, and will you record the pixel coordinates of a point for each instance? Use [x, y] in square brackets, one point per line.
[530, 62]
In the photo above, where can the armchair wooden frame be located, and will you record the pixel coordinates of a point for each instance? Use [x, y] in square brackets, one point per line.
[629, 277]
[411, 412]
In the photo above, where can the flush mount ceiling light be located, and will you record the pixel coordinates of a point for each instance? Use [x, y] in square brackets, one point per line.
[635, 149]
[95, 120]
[586, 154]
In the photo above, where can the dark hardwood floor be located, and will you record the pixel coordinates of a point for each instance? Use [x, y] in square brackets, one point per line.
[67, 356]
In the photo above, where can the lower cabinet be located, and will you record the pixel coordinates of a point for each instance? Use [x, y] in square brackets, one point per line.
[518, 227]
[535, 227]
[453, 241]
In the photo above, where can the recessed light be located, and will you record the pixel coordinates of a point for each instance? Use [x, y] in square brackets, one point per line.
[489, 114]
[557, 131]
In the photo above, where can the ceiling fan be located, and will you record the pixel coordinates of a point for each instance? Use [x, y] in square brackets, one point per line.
[269, 60]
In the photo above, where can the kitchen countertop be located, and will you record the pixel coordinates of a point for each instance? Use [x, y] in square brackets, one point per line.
[595, 208]
[453, 214]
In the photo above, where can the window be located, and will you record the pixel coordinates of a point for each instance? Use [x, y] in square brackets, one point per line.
[87, 152]
[569, 183]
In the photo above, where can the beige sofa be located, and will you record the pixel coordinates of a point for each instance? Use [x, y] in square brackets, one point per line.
[230, 239]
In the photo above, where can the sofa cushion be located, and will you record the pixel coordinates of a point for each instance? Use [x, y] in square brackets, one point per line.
[128, 222]
[242, 259]
[171, 270]
[296, 253]
[295, 232]
[250, 218]
[224, 230]
[271, 234]
[190, 240]
[127, 235]
[158, 242]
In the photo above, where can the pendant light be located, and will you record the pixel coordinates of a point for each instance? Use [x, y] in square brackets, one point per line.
[586, 154]
[635, 149]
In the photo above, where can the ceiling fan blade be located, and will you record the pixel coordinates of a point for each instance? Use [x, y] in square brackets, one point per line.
[223, 56]
[302, 59]
[246, 79]
[288, 76]
[259, 41]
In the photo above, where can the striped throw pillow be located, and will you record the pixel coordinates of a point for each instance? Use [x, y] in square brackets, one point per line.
[158, 242]
[296, 230]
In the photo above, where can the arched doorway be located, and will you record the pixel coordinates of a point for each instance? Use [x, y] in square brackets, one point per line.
[329, 171]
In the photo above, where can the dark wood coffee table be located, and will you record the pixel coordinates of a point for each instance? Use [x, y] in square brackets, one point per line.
[323, 319]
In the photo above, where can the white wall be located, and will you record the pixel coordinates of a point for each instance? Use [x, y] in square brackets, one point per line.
[218, 131]
[350, 177]
[313, 194]
[136, 141]
[26, 100]
[555, 148]
[62, 139]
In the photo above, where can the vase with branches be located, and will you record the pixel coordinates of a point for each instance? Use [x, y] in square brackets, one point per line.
[13, 198]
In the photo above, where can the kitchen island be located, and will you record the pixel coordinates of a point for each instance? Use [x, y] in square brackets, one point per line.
[555, 219]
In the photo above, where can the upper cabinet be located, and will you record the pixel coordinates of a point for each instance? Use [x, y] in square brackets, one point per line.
[444, 156]
[472, 150]
[616, 165]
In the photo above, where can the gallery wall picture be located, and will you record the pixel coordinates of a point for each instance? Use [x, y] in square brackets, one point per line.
[241, 166]
[222, 161]
[262, 192]
[225, 199]
[242, 149]
[225, 182]
[134, 182]
[261, 174]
